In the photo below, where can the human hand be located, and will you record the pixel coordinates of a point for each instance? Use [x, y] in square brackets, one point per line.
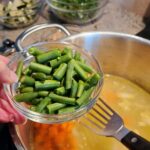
[7, 111]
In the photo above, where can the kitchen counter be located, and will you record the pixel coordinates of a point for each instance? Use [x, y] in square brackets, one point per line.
[114, 18]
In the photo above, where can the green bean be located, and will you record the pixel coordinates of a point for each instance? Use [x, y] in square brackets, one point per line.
[74, 73]
[44, 111]
[60, 91]
[40, 68]
[27, 71]
[62, 82]
[62, 99]
[27, 89]
[35, 51]
[63, 59]
[67, 51]
[19, 69]
[77, 56]
[93, 80]
[74, 88]
[43, 93]
[33, 108]
[55, 106]
[22, 86]
[85, 95]
[48, 56]
[39, 76]
[36, 101]
[26, 97]
[27, 80]
[80, 71]
[47, 85]
[81, 86]
[69, 74]
[53, 62]
[43, 104]
[87, 68]
[60, 71]
[66, 110]
[49, 77]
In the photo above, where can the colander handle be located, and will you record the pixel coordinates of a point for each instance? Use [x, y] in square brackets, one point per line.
[29, 31]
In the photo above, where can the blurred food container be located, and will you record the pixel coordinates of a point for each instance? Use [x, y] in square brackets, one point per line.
[19, 13]
[78, 12]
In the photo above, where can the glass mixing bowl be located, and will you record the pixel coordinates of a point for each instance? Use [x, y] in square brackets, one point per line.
[77, 13]
[17, 14]
[51, 118]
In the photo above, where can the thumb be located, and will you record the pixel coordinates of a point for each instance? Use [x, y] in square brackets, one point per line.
[6, 75]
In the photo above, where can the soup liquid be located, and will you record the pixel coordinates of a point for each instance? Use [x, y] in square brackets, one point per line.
[129, 100]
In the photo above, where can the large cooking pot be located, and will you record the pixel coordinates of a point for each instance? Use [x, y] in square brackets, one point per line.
[119, 54]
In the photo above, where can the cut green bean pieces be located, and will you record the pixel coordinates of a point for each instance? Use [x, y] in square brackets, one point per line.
[33, 108]
[81, 86]
[62, 99]
[66, 110]
[67, 51]
[27, 80]
[27, 71]
[77, 56]
[53, 62]
[36, 101]
[60, 91]
[85, 67]
[62, 82]
[26, 97]
[43, 93]
[80, 71]
[19, 69]
[49, 77]
[69, 74]
[57, 81]
[47, 85]
[93, 80]
[48, 56]
[27, 89]
[40, 68]
[22, 86]
[60, 71]
[39, 76]
[43, 104]
[85, 95]
[63, 59]
[74, 88]
[55, 106]
[35, 51]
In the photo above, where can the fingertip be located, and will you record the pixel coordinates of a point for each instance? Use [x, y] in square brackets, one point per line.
[7, 75]
[4, 59]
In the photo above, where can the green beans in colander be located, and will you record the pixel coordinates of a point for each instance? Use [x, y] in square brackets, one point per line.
[57, 82]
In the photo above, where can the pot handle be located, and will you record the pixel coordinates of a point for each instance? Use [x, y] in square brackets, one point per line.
[29, 31]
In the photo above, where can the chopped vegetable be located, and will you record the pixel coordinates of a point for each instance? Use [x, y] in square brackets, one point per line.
[62, 87]
[19, 13]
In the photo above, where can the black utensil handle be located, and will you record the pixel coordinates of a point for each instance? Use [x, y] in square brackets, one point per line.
[135, 142]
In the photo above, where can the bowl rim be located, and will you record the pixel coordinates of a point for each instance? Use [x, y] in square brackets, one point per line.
[61, 2]
[78, 10]
[29, 113]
